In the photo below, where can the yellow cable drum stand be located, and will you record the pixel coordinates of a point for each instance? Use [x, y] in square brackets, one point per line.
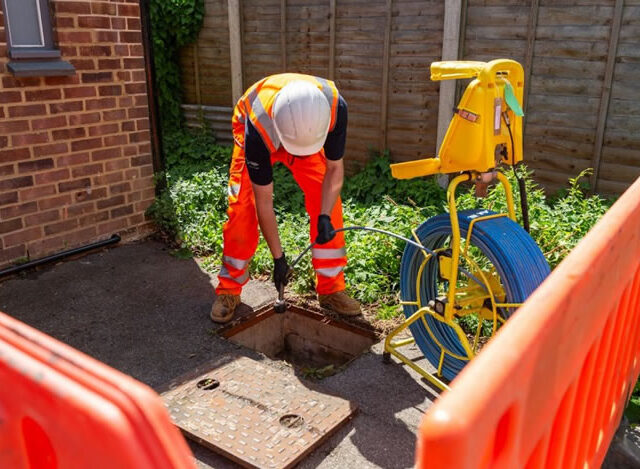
[480, 265]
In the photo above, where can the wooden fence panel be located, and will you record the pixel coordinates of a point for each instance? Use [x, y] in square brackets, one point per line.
[379, 53]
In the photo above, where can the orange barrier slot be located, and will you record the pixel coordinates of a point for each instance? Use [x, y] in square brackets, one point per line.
[549, 390]
[60, 408]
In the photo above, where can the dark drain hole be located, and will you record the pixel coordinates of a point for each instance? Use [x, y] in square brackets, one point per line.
[291, 421]
[208, 384]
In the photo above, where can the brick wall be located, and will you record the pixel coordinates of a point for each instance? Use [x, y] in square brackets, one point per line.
[75, 152]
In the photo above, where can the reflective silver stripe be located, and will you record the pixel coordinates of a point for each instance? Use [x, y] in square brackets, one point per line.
[224, 272]
[235, 262]
[238, 142]
[326, 89]
[234, 190]
[329, 271]
[265, 121]
[318, 253]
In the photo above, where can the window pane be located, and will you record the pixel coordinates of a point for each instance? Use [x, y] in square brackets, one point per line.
[24, 23]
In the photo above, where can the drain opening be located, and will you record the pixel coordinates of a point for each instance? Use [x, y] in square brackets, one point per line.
[208, 384]
[291, 421]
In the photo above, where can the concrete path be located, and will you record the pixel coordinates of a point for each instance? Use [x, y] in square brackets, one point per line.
[145, 312]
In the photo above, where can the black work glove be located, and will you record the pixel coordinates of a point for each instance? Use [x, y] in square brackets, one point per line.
[280, 272]
[325, 230]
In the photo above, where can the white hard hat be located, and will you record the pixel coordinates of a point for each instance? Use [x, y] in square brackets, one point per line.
[302, 115]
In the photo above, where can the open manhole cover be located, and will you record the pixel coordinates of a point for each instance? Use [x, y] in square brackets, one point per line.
[254, 414]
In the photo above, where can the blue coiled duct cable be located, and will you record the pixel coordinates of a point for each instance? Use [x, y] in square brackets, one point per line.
[515, 255]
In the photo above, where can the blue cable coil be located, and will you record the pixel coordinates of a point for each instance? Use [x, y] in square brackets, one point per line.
[516, 257]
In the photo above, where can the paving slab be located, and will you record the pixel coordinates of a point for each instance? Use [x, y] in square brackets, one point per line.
[143, 311]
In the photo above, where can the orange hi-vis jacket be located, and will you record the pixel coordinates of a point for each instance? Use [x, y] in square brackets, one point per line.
[240, 232]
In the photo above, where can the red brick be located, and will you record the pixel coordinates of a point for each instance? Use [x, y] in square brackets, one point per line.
[74, 185]
[130, 150]
[42, 218]
[134, 37]
[4, 141]
[11, 225]
[52, 176]
[119, 23]
[126, 101]
[136, 219]
[60, 227]
[91, 194]
[8, 198]
[18, 210]
[30, 110]
[106, 154]
[69, 106]
[86, 144]
[109, 178]
[29, 139]
[80, 92]
[120, 188]
[37, 192]
[116, 165]
[73, 7]
[49, 123]
[141, 101]
[83, 64]
[13, 82]
[65, 22]
[80, 209]
[136, 50]
[129, 10]
[138, 137]
[139, 75]
[13, 126]
[105, 36]
[103, 8]
[87, 170]
[16, 183]
[7, 170]
[35, 165]
[137, 63]
[95, 51]
[109, 64]
[103, 130]
[94, 218]
[70, 160]
[10, 97]
[128, 126]
[110, 202]
[51, 149]
[74, 36]
[131, 174]
[80, 119]
[62, 81]
[68, 51]
[14, 154]
[143, 124]
[66, 134]
[97, 77]
[110, 90]
[114, 140]
[16, 252]
[134, 196]
[42, 95]
[134, 24]
[94, 22]
[115, 115]
[24, 236]
[122, 211]
[124, 76]
[145, 204]
[101, 103]
[112, 226]
[135, 88]
[138, 112]
[54, 202]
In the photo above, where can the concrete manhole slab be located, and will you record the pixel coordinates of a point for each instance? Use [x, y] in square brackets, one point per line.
[254, 414]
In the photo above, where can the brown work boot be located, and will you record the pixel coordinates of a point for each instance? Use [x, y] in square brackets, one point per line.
[224, 307]
[341, 303]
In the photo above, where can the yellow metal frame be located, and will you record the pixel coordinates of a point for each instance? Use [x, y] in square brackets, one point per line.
[391, 347]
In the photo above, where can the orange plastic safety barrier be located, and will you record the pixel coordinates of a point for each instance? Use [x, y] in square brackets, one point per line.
[549, 390]
[62, 409]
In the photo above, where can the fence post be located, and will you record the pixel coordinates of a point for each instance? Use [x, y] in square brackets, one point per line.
[332, 39]
[235, 45]
[384, 99]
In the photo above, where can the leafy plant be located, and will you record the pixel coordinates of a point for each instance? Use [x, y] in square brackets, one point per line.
[174, 24]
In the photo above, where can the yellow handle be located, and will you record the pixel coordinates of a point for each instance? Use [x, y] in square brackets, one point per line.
[455, 69]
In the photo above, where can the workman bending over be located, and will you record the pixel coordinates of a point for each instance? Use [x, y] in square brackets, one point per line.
[300, 121]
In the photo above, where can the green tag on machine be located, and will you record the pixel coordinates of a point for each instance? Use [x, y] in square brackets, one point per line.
[511, 100]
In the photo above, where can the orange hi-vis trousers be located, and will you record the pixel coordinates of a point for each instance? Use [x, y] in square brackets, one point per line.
[240, 232]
